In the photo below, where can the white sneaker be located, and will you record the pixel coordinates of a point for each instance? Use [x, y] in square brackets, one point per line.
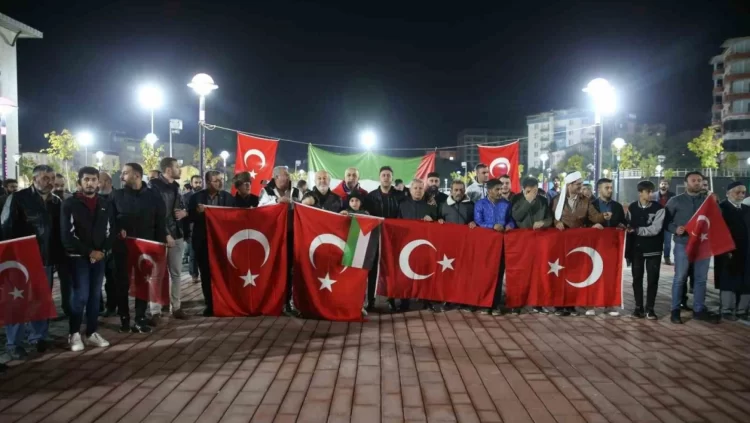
[591, 312]
[75, 342]
[614, 313]
[96, 340]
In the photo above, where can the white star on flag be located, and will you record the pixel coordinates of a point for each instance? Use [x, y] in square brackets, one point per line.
[325, 283]
[253, 173]
[17, 293]
[704, 237]
[446, 263]
[555, 267]
[249, 279]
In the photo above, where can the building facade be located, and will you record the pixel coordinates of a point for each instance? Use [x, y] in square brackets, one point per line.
[731, 96]
[469, 139]
[558, 130]
[10, 32]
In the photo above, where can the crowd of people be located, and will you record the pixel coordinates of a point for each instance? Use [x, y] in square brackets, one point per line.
[82, 235]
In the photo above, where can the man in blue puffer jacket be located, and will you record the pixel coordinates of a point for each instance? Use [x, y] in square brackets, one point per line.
[494, 212]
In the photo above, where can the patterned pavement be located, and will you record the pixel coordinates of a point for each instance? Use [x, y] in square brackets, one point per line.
[419, 366]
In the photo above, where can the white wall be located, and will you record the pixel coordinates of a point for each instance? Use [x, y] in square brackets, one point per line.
[9, 89]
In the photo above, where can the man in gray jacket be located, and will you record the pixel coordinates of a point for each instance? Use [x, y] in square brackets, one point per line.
[680, 209]
[458, 208]
[478, 189]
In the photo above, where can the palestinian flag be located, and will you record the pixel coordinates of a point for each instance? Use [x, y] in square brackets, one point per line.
[362, 242]
[368, 163]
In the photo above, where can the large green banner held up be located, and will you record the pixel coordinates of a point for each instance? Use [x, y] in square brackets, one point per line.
[368, 163]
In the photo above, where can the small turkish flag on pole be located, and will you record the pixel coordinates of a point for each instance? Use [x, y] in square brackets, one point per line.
[25, 294]
[257, 156]
[708, 233]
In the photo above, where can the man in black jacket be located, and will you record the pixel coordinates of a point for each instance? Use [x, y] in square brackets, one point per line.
[433, 188]
[212, 195]
[322, 192]
[139, 213]
[166, 184]
[34, 211]
[85, 222]
[614, 214]
[196, 184]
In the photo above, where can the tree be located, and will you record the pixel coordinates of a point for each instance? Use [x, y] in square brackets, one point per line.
[211, 161]
[731, 161]
[298, 175]
[707, 147]
[151, 156]
[668, 174]
[456, 176]
[520, 171]
[575, 164]
[648, 165]
[629, 157]
[62, 146]
[26, 167]
[111, 164]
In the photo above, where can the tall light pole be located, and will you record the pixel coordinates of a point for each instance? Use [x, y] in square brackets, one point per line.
[17, 158]
[618, 144]
[464, 165]
[368, 138]
[544, 157]
[85, 139]
[297, 163]
[603, 96]
[7, 106]
[175, 126]
[202, 84]
[224, 156]
[151, 98]
[99, 156]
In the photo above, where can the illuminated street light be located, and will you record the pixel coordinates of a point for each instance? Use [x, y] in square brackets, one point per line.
[151, 139]
[368, 138]
[659, 168]
[202, 84]
[151, 98]
[618, 144]
[85, 139]
[603, 96]
[543, 157]
[224, 156]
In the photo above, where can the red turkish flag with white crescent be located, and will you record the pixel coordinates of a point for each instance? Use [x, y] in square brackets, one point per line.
[439, 262]
[708, 232]
[257, 156]
[25, 294]
[323, 287]
[248, 259]
[147, 270]
[574, 267]
[502, 160]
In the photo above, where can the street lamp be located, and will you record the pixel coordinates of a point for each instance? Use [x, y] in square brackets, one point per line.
[202, 84]
[659, 168]
[224, 156]
[99, 156]
[175, 126]
[603, 96]
[151, 98]
[297, 163]
[466, 170]
[85, 139]
[7, 106]
[368, 138]
[151, 139]
[618, 144]
[544, 157]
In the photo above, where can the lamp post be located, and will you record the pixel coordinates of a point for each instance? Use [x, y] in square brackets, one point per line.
[7, 106]
[175, 126]
[466, 170]
[544, 157]
[99, 156]
[603, 96]
[368, 138]
[151, 98]
[85, 139]
[297, 163]
[659, 168]
[202, 84]
[224, 156]
[17, 158]
[618, 144]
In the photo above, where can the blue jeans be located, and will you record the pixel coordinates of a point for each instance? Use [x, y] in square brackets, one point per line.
[700, 273]
[667, 244]
[39, 328]
[86, 292]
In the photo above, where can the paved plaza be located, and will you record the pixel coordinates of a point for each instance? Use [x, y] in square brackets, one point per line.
[418, 366]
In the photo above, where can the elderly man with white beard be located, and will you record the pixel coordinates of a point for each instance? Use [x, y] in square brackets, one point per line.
[322, 192]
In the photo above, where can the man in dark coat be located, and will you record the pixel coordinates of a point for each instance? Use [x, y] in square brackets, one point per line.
[322, 192]
[732, 270]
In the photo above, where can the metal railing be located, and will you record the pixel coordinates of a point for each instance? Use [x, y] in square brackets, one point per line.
[731, 173]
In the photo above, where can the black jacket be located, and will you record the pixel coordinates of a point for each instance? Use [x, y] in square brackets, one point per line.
[170, 193]
[732, 273]
[618, 214]
[84, 231]
[26, 213]
[199, 237]
[140, 213]
[384, 205]
[251, 201]
[329, 201]
[417, 209]
[187, 225]
[647, 238]
[440, 197]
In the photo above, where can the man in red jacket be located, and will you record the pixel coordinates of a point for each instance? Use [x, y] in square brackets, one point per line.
[349, 184]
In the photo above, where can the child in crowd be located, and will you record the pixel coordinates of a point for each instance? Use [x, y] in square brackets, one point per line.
[355, 204]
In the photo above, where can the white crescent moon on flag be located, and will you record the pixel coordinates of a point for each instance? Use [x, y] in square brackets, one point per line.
[255, 152]
[326, 239]
[248, 234]
[708, 223]
[15, 265]
[498, 161]
[596, 271]
[148, 258]
[403, 259]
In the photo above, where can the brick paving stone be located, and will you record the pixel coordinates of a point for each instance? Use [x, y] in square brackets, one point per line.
[418, 366]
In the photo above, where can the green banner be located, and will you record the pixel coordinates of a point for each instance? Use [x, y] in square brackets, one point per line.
[369, 164]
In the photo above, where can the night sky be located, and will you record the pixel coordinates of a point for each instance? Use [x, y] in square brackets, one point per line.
[417, 73]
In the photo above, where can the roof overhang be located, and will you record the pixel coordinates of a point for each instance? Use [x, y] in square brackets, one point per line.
[23, 30]
[731, 41]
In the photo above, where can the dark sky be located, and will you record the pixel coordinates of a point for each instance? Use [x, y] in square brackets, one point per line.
[416, 72]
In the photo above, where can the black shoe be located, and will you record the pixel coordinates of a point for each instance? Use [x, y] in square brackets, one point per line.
[370, 306]
[436, 308]
[289, 311]
[155, 320]
[404, 306]
[562, 312]
[667, 261]
[706, 316]
[392, 305]
[729, 316]
[516, 312]
[140, 326]
[572, 311]
[209, 313]
[675, 318]
[638, 313]
[684, 306]
[17, 353]
[124, 324]
[42, 346]
[497, 311]
[650, 315]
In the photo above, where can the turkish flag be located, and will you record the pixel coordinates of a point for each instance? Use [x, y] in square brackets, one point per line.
[147, 263]
[247, 254]
[257, 156]
[708, 233]
[447, 263]
[323, 287]
[25, 294]
[502, 160]
[574, 267]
